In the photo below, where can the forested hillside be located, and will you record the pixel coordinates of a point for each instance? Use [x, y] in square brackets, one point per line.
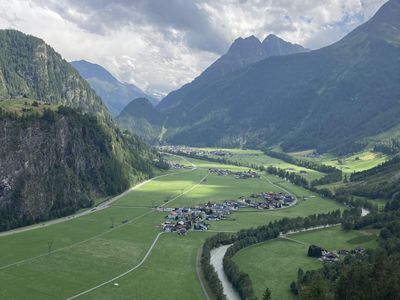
[56, 162]
[31, 68]
[60, 150]
[331, 99]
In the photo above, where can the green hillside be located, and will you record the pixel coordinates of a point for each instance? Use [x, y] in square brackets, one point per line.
[56, 161]
[331, 99]
[140, 117]
[59, 149]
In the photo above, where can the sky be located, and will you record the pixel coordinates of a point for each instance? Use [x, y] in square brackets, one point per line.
[159, 45]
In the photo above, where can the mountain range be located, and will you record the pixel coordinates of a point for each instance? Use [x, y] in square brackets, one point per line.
[115, 94]
[334, 99]
[243, 52]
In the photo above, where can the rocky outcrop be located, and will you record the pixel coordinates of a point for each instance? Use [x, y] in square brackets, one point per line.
[57, 163]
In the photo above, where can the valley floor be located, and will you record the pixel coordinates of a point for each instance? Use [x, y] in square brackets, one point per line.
[118, 252]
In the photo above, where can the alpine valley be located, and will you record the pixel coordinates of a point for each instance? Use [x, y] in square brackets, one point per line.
[274, 174]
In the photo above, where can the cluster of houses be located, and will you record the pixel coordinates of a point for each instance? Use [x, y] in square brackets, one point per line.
[270, 200]
[184, 150]
[238, 175]
[332, 256]
[183, 219]
[221, 153]
[177, 166]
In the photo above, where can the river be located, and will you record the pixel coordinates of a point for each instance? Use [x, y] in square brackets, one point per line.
[217, 256]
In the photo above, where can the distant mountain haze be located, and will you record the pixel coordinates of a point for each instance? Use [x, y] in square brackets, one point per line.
[115, 94]
[142, 118]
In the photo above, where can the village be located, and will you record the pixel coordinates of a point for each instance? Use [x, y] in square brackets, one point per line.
[238, 175]
[181, 220]
[192, 152]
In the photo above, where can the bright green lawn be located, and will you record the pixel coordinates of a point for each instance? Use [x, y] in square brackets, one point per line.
[274, 264]
[354, 163]
[87, 252]
[169, 273]
[257, 157]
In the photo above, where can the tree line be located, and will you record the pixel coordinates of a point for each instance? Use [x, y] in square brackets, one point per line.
[370, 275]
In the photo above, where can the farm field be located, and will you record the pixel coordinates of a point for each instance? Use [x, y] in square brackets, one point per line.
[257, 157]
[354, 163]
[95, 248]
[274, 264]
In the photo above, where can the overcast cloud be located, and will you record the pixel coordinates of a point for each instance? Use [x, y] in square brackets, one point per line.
[161, 44]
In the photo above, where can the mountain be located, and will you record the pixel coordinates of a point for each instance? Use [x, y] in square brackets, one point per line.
[140, 117]
[115, 94]
[331, 99]
[59, 148]
[242, 53]
[55, 161]
[31, 68]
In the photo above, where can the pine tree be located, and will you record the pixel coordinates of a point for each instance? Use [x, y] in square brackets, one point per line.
[267, 294]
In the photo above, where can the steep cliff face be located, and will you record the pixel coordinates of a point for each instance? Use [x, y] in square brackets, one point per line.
[54, 164]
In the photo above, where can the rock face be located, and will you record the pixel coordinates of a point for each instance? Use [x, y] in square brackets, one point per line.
[115, 94]
[59, 153]
[54, 164]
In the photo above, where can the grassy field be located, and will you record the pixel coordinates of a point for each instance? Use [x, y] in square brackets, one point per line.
[25, 106]
[259, 158]
[274, 264]
[348, 164]
[88, 251]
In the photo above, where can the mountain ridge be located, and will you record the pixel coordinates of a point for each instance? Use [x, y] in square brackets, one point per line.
[115, 94]
[242, 53]
[330, 99]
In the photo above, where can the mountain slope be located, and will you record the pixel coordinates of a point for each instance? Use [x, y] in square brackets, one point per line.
[31, 68]
[242, 53]
[58, 161]
[59, 147]
[140, 117]
[115, 94]
[330, 99]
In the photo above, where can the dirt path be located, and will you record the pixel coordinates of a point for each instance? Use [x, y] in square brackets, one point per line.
[121, 275]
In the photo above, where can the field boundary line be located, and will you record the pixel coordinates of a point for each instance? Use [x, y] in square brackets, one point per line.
[101, 206]
[112, 229]
[122, 274]
[75, 244]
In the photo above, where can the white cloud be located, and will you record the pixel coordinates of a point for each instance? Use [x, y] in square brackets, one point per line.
[161, 44]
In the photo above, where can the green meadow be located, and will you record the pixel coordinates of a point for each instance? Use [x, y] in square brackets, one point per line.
[348, 164]
[274, 264]
[257, 157]
[90, 250]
